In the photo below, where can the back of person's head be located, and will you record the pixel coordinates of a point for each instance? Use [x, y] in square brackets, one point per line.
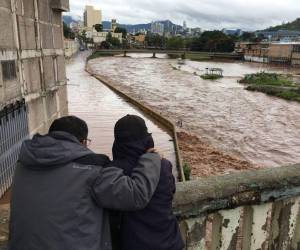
[131, 128]
[72, 125]
[132, 138]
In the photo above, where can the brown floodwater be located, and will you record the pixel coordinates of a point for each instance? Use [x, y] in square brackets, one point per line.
[261, 129]
[100, 107]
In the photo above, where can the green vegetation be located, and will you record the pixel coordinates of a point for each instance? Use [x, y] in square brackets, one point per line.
[155, 40]
[295, 25]
[211, 76]
[68, 33]
[99, 27]
[198, 57]
[121, 30]
[175, 43]
[212, 41]
[278, 85]
[263, 78]
[208, 41]
[98, 54]
[113, 41]
[187, 171]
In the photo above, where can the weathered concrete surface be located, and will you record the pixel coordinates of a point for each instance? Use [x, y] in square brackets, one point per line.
[32, 37]
[204, 195]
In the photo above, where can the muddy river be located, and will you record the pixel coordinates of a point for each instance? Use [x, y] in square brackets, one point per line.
[92, 101]
[252, 126]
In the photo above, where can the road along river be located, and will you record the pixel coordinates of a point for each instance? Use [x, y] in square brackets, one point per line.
[92, 101]
[220, 115]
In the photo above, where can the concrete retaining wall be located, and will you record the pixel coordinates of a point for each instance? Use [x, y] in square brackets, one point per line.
[71, 47]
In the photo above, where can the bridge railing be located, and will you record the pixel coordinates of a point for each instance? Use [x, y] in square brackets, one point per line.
[249, 210]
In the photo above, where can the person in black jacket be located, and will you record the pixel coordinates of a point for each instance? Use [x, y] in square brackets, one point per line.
[61, 191]
[154, 227]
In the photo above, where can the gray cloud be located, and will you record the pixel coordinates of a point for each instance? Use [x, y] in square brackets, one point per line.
[207, 14]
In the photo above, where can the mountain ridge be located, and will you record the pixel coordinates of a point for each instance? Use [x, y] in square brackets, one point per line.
[294, 25]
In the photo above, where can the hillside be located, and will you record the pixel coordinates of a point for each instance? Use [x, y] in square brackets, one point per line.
[295, 25]
[69, 19]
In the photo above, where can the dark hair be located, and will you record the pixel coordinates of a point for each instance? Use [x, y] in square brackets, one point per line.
[72, 125]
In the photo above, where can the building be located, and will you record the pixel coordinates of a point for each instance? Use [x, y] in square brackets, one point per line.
[157, 28]
[285, 53]
[33, 82]
[232, 32]
[114, 25]
[138, 40]
[280, 35]
[92, 16]
[184, 25]
[99, 37]
[266, 52]
[253, 51]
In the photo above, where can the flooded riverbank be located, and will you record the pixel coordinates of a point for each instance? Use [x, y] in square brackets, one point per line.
[101, 108]
[250, 126]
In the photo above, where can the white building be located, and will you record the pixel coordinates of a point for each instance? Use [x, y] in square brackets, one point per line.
[99, 37]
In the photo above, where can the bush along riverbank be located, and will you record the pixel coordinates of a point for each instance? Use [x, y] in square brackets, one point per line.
[279, 85]
[98, 54]
[211, 76]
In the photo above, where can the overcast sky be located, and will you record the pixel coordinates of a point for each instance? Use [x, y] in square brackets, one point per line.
[206, 14]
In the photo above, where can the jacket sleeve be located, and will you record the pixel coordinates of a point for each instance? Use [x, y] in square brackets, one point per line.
[113, 190]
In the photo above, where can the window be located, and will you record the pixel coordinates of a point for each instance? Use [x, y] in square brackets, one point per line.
[9, 70]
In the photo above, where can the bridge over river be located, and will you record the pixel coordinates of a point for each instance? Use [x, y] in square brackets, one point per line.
[181, 53]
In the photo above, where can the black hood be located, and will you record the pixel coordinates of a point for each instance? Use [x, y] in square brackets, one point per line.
[52, 150]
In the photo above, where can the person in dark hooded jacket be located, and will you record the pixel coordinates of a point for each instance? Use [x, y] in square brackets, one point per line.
[61, 190]
[154, 227]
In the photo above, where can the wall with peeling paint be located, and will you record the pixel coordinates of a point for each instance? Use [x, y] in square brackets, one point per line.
[249, 210]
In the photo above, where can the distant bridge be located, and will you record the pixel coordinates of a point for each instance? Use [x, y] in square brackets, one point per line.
[182, 53]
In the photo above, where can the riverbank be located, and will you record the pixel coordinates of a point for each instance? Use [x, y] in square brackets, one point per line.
[205, 160]
[279, 85]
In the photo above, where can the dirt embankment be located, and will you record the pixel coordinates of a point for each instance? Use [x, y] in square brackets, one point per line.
[205, 160]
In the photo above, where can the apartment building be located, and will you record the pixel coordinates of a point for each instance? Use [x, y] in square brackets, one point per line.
[92, 16]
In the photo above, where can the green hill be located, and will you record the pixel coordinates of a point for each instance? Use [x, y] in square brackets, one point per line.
[295, 25]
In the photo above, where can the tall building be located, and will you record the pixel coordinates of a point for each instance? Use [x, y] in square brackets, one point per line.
[92, 16]
[114, 24]
[157, 28]
[184, 25]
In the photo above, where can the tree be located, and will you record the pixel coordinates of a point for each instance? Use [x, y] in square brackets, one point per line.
[68, 33]
[121, 30]
[115, 42]
[104, 45]
[247, 36]
[98, 27]
[155, 40]
[213, 41]
[175, 43]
